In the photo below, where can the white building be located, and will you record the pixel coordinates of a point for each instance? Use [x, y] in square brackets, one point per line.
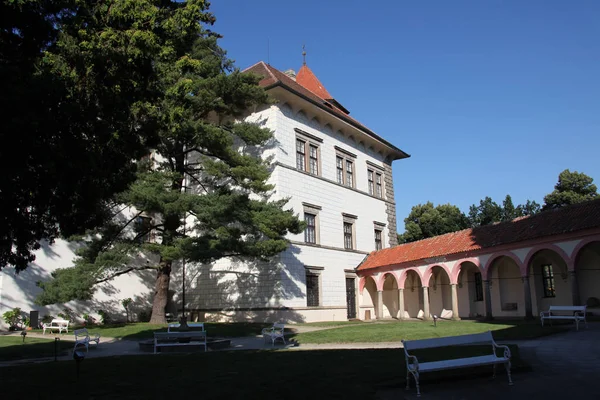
[338, 176]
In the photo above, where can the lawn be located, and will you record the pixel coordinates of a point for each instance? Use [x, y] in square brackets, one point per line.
[142, 330]
[343, 374]
[13, 348]
[412, 330]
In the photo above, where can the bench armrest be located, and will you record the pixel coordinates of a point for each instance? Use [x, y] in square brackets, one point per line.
[414, 362]
[545, 314]
[506, 350]
[267, 331]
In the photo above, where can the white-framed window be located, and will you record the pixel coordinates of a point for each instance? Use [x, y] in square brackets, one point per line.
[313, 286]
[371, 181]
[310, 233]
[345, 169]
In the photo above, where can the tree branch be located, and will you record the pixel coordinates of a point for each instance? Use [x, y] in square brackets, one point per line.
[125, 271]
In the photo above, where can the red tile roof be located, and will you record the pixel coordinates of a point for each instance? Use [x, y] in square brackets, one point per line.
[548, 223]
[273, 77]
[307, 79]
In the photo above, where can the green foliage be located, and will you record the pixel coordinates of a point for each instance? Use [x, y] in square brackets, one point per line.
[105, 318]
[209, 172]
[13, 318]
[68, 314]
[571, 188]
[126, 303]
[425, 221]
[489, 212]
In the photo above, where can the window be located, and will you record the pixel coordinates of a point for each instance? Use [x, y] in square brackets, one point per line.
[313, 286]
[548, 281]
[314, 160]
[340, 169]
[371, 185]
[349, 173]
[310, 233]
[348, 236]
[478, 287]
[344, 163]
[307, 152]
[378, 245]
[378, 191]
[300, 155]
[143, 229]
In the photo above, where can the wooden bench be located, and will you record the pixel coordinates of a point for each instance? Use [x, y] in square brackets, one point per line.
[576, 314]
[59, 325]
[414, 368]
[192, 325]
[82, 337]
[274, 332]
[190, 338]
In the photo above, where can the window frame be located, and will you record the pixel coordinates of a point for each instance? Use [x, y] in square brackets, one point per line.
[309, 226]
[314, 273]
[313, 209]
[349, 219]
[309, 142]
[371, 181]
[378, 240]
[548, 282]
[347, 159]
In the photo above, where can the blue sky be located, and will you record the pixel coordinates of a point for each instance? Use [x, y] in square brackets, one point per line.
[489, 97]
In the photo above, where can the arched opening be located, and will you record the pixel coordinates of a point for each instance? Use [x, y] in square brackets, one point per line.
[549, 281]
[390, 297]
[368, 301]
[506, 288]
[413, 295]
[469, 291]
[440, 295]
[587, 268]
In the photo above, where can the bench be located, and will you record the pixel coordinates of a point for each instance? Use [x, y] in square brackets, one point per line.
[191, 338]
[56, 324]
[274, 332]
[192, 325]
[577, 314]
[83, 337]
[414, 368]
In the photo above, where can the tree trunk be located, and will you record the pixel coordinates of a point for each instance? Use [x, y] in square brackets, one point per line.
[161, 293]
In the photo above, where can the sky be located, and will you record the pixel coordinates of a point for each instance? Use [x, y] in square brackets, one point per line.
[488, 97]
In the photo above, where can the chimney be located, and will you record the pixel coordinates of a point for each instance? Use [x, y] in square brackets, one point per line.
[291, 73]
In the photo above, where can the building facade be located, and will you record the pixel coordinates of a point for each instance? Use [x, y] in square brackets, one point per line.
[509, 270]
[337, 175]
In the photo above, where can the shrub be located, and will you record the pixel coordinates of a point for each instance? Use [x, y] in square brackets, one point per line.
[144, 316]
[13, 318]
[104, 317]
[46, 319]
[67, 314]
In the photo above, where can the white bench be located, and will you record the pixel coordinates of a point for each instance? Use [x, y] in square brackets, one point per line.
[274, 332]
[577, 314]
[191, 338]
[83, 337]
[194, 325]
[414, 368]
[59, 325]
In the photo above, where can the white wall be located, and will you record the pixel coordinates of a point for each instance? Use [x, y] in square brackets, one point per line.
[588, 272]
[507, 287]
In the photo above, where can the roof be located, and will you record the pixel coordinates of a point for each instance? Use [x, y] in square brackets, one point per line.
[273, 77]
[569, 219]
[307, 79]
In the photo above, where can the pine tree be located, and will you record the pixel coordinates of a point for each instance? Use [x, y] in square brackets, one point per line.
[206, 194]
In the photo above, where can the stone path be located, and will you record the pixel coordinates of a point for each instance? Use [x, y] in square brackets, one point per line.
[565, 365]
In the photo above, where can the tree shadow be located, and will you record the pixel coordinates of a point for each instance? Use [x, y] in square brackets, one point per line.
[519, 329]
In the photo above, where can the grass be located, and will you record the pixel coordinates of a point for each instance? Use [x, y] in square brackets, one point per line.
[413, 330]
[13, 348]
[142, 330]
[333, 374]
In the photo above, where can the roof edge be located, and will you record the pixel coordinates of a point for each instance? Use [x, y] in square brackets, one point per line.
[400, 153]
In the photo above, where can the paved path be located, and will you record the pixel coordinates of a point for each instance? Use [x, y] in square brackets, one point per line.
[565, 366]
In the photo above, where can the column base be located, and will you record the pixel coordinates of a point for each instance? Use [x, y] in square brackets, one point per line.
[455, 318]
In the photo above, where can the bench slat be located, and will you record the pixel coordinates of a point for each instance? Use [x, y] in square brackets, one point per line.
[461, 363]
[567, 308]
[448, 341]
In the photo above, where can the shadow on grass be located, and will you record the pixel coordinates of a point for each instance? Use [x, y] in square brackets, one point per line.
[141, 331]
[326, 374]
[524, 330]
[13, 348]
